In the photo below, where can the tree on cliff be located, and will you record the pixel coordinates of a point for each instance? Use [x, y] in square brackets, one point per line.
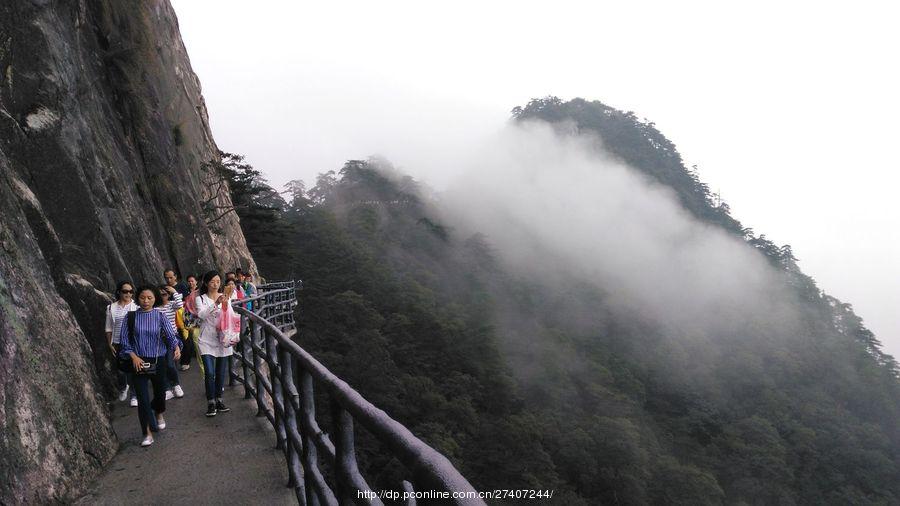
[258, 206]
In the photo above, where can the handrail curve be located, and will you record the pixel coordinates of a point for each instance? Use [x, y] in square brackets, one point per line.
[288, 378]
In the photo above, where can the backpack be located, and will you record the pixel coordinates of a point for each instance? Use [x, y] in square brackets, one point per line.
[179, 319]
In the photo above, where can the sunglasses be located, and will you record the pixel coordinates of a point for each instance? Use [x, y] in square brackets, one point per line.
[126, 291]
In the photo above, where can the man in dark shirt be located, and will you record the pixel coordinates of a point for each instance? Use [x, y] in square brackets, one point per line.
[172, 280]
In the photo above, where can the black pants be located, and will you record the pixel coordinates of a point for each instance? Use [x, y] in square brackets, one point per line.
[124, 379]
[187, 346]
[147, 409]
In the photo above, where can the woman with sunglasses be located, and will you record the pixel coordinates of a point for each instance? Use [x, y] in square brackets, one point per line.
[115, 314]
[146, 335]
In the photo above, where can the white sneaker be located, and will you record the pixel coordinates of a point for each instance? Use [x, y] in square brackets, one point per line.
[169, 394]
[147, 441]
[160, 422]
[123, 395]
[179, 392]
[185, 367]
[134, 403]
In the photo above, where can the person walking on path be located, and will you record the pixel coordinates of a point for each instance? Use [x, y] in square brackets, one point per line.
[115, 314]
[213, 352]
[173, 281]
[145, 336]
[237, 287]
[191, 332]
[249, 288]
[170, 303]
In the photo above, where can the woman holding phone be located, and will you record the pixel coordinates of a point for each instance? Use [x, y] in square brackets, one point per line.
[170, 303]
[213, 352]
[145, 336]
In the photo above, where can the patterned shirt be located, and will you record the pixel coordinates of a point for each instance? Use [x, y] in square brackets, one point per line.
[250, 290]
[115, 315]
[171, 308]
[153, 333]
[190, 310]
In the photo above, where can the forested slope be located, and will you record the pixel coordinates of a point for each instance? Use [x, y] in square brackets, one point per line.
[529, 382]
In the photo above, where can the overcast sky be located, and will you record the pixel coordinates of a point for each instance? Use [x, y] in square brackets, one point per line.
[789, 109]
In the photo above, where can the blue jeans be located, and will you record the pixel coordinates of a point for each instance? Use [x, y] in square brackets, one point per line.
[214, 370]
[147, 409]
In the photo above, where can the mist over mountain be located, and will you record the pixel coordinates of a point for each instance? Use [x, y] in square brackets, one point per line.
[554, 203]
[580, 313]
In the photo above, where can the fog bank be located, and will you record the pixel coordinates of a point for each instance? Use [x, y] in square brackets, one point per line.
[557, 206]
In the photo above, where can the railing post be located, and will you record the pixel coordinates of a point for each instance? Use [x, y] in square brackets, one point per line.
[256, 338]
[295, 472]
[245, 331]
[408, 488]
[277, 391]
[269, 301]
[230, 363]
[281, 312]
[310, 454]
[344, 454]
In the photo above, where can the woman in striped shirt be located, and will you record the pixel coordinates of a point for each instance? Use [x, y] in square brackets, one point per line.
[169, 305]
[145, 336]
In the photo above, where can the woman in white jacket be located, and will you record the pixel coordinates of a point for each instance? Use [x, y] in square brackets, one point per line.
[115, 315]
[214, 354]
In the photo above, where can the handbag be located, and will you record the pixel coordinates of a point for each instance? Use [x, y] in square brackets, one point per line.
[229, 325]
[124, 364]
[132, 316]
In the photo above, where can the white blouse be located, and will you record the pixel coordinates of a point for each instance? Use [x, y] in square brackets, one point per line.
[115, 315]
[208, 313]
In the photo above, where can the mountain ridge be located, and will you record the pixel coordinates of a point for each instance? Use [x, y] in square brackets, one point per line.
[544, 384]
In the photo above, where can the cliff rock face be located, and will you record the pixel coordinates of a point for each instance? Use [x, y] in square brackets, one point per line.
[103, 140]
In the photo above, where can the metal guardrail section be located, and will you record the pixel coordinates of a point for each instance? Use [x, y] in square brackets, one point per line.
[270, 363]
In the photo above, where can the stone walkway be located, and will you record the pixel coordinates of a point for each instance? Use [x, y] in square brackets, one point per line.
[226, 459]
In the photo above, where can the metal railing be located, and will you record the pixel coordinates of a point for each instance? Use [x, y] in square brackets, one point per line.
[282, 377]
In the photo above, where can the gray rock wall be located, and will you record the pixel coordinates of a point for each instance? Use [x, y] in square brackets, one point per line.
[103, 133]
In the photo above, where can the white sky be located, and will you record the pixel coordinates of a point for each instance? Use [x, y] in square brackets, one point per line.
[788, 108]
